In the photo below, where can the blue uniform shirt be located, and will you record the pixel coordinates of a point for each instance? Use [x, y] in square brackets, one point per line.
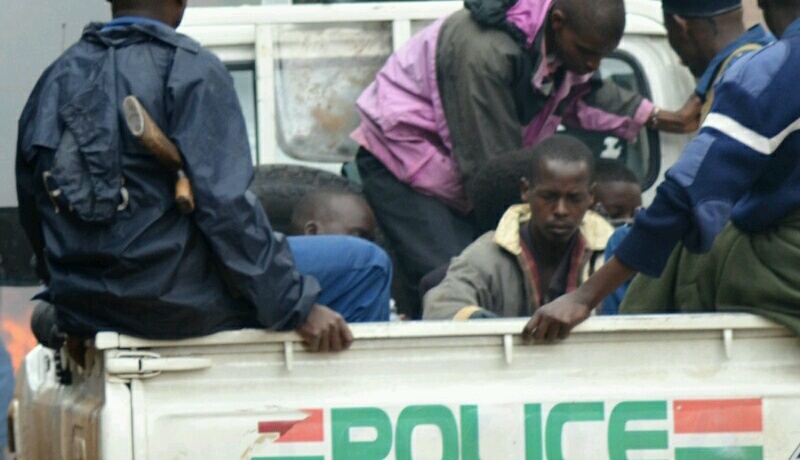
[755, 35]
[742, 166]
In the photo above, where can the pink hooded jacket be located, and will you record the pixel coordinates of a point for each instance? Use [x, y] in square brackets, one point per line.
[403, 122]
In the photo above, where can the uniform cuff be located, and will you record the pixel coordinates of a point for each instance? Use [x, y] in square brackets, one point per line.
[641, 251]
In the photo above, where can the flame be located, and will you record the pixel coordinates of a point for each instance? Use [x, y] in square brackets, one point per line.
[18, 338]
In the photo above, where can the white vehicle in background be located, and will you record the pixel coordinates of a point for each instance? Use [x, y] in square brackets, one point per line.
[681, 387]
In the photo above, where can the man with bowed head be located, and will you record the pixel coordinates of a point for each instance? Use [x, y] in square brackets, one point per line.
[540, 250]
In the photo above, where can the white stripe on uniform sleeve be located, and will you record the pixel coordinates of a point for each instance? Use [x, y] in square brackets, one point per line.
[747, 136]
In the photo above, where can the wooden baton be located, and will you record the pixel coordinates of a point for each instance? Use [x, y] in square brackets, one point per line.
[142, 126]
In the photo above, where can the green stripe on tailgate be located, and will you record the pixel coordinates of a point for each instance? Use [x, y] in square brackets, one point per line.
[720, 453]
[313, 457]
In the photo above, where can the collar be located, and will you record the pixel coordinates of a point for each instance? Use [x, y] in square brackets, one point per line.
[756, 34]
[594, 228]
[123, 21]
[793, 29]
[126, 28]
[548, 66]
[552, 62]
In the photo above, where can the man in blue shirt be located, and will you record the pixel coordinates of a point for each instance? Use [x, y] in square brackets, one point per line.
[742, 167]
[709, 36]
[116, 252]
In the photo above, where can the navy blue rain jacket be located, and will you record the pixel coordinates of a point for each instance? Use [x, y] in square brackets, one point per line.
[100, 210]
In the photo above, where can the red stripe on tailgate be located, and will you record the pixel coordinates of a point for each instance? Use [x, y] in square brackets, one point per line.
[308, 430]
[718, 416]
[275, 427]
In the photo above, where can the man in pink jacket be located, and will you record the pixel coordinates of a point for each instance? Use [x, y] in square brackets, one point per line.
[484, 81]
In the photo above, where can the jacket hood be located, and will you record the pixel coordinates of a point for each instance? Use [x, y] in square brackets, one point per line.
[529, 16]
[140, 32]
[595, 230]
[522, 19]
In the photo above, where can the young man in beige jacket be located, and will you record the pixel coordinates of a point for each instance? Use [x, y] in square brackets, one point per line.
[539, 251]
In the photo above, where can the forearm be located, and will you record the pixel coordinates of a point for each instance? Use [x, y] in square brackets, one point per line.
[609, 108]
[604, 282]
[684, 120]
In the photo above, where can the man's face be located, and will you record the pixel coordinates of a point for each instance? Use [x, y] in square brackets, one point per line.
[619, 199]
[580, 50]
[348, 216]
[558, 200]
[684, 45]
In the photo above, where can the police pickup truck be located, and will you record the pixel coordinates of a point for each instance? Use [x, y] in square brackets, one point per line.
[684, 387]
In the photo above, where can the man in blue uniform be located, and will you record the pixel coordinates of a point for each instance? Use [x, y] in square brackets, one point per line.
[116, 252]
[743, 168]
[709, 36]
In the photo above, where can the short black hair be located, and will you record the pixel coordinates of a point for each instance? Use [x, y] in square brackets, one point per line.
[562, 148]
[607, 170]
[317, 204]
[495, 187]
[606, 18]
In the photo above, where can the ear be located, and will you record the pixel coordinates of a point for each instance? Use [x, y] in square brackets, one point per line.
[682, 23]
[591, 191]
[311, 228]
[558, 19]
[524, 189]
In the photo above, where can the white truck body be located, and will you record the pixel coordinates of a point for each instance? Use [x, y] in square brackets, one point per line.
[663, 387]
[678, 387]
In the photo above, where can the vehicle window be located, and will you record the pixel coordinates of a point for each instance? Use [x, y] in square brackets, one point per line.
[642, 156]
[320, 69]
[244, 82]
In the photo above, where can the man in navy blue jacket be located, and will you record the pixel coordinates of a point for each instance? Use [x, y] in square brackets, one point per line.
[116, 252]
[742, 167]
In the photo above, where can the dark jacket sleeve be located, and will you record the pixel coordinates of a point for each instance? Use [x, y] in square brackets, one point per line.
[717, 168]
[608, 107]
[475, 68]
[28, 214]
[25, 171]
[207, 125]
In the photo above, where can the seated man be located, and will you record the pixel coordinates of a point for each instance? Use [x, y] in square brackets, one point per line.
[334, 212]
[617, 193]
[540, 249]
[617, 196]
[495, 188]
[340, 212]
[100, 211]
